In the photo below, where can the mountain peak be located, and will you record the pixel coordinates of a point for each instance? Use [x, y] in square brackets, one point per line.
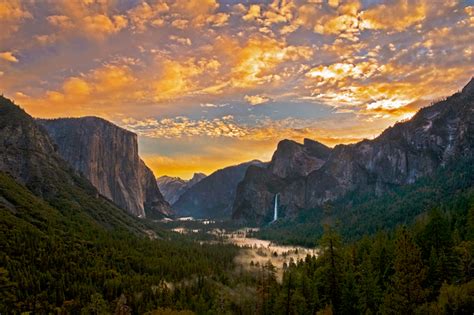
[469, 88]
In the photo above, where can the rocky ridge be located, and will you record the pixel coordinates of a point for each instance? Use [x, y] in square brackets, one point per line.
[436, 136]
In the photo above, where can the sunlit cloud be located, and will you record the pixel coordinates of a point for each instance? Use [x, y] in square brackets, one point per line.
[12, 14]
[243, 73]
[256, 99]
[8, 56]
[184, 127]
[229, 127]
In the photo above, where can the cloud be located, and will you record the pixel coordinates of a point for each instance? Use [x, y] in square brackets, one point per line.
[256, 99]
[178, 78]
[144, 15]
[359, 65]
[402, 13]
[218, 20]
[404, 109]
[256, 61]
[181, 40]
[8, 56]
[331, 18]
[265, 129]
[253, 13]
[87, 18]
[88, 94]
[184, 127]
[100, 25]
[12, 15]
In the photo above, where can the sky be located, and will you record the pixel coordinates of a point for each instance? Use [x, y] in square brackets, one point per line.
[207, 84]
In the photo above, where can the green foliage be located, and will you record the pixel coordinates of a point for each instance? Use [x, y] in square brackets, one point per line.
[62, 260]
[406, 291]
[52, 261]
[358, 214]
[382, 274]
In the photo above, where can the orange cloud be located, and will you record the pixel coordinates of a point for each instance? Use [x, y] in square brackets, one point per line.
[256, 61]
[402, 13]
[256, 99]
[76, 87]
[12, 14]
[179, 78]
[338, 19]
[95, 93]
[87, 18]
[253, 13]
[8, 56]
[145, 14]
[100, 25]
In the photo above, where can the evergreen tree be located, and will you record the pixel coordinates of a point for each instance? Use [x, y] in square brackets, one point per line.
[406, 292]
[369, 294]
[331, 259]
[97, 306]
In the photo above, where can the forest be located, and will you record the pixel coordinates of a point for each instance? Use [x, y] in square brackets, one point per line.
[52, 264]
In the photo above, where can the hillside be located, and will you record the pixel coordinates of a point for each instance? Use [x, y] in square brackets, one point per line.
[65, 248]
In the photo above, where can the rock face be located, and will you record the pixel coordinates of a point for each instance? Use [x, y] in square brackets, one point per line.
[213, 196]
[29, 156]
[27, 153]
[107, 155]
[173, 187]
[286, 174]
[435, 136]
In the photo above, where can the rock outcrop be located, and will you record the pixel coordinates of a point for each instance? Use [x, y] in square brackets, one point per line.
[173, 187]
[29, 156]
[434, 137]
[27, 153]
[213, 196]
[286, 174]
[107, 155]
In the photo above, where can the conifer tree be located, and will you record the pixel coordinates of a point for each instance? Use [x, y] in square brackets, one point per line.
[406, 292]
[331, 258]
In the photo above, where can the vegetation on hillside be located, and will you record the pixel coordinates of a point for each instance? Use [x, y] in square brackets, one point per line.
[53, 260]
[356, 215]
[425, 269]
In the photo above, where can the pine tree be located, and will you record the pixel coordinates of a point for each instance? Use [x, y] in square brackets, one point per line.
[368, 291]
[406, 292]
[331, 258]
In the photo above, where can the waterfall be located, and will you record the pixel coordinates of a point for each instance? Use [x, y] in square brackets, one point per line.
[275, 209]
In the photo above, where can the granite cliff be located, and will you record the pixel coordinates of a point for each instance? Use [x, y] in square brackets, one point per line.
[286, 174]
[28, 155]
[435, 137]
[107, 155]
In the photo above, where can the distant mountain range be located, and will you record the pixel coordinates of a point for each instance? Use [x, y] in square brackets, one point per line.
[306, 176]
[173, 187]
[213, 196]
[309, 175]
